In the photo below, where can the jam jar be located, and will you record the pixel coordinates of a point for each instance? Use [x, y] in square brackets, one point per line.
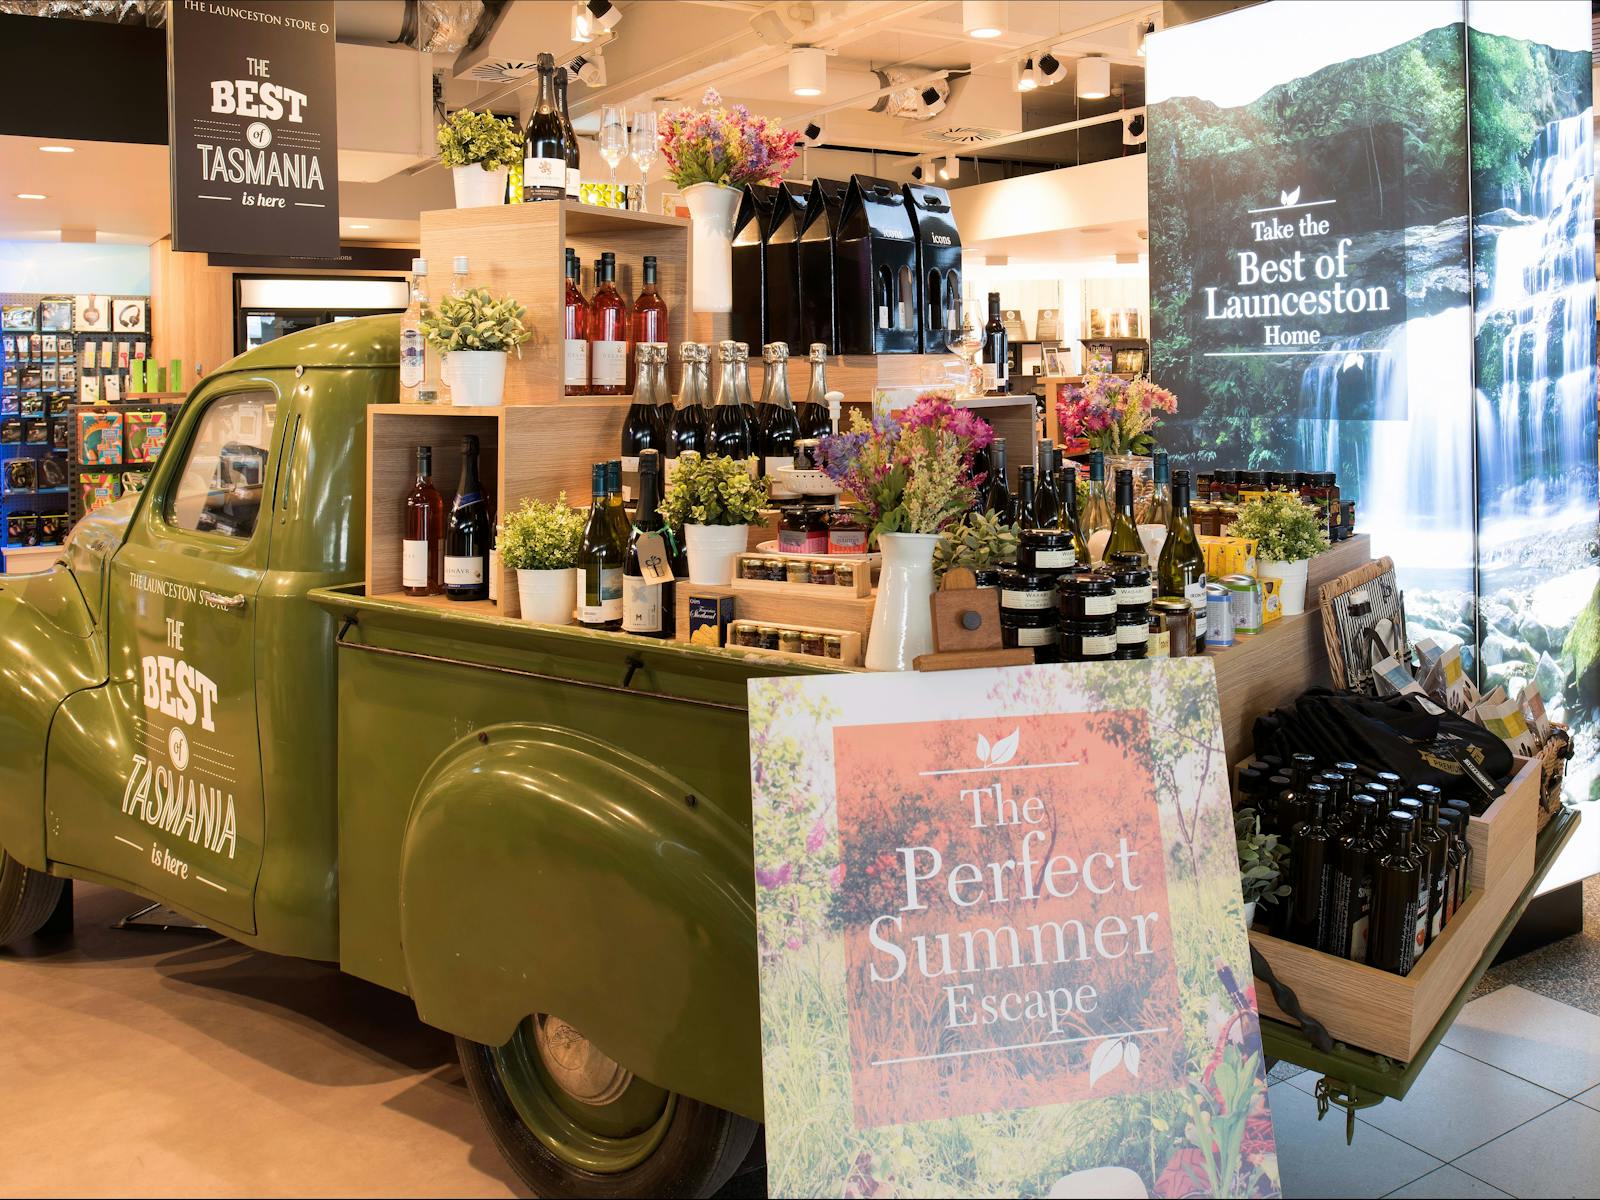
[1022, 590]
[1086, 594]
[1133, 589]
[1034, 631]
[801, 531]
[1091, 640]
[1045, 550]
[845, 533]
[1133, 632]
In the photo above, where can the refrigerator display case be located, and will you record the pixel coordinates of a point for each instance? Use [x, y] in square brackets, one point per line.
[266, 307]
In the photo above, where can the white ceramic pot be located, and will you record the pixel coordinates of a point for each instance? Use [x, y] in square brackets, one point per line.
[1249, 913]
[477, 378]
[714, 551]
[477, 188]
[713, 208]
[902, 618]
[548, 596]
[1292, 581]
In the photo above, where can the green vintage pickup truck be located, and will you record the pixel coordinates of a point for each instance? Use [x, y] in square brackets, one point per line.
[541, 835]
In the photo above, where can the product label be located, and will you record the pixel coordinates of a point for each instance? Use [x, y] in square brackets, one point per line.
[576, 373]
[1419, 919]
[883, 316]
[630, 464]
[1049, 560]
[1358, 930]
[1134, 597]
[1026, 600]
[655, 564]
[778, 462]
[610, 596]
[573, 179]
[641, 605]
[1195, 594]
[1099, 644]
[546, 176]
[609, 366]
[1158, 645]
[411, 356]
[1099, 606]
[463, 571]
[1132, 635]
[847, 541]
[413, 563]
[1044, 636]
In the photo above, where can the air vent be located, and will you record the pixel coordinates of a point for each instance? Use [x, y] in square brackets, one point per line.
[964, 135]
[500, 70]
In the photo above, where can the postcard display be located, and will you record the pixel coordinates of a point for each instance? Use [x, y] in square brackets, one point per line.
[1311, 302]
[1002, 946]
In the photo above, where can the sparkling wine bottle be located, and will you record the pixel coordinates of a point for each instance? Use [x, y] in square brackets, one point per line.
[641, 428]
[730, 428]
[469, 534]
[544, 154]
[812, 412]
[782, 429]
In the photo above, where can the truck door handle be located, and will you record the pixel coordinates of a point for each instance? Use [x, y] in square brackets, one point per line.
[215, 601]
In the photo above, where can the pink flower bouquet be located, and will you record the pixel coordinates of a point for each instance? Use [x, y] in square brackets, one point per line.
[724, 145]
[1114, 415]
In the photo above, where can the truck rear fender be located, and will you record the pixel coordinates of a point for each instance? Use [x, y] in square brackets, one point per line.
[544, 871]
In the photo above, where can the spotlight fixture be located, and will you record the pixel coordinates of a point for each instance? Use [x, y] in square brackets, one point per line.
[1146, 28]
[813, 133]
[605, 14]
[1133, 130]
[1094, 78]
[582, 23]
[57, 150]
[589, 68]
[1050, 68]
[808, 71]
[951, 168]
[983, 18]
[1026, 80]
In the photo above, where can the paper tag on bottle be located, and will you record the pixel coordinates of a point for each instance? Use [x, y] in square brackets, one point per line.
[655, 564]
[630, 464]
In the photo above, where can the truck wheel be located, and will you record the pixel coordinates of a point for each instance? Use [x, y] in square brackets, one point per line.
[571, 1122]
[27, 898]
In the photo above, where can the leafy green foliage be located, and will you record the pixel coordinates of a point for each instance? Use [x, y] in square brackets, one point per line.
[541, 536]
[1284, 527]
[713, 491]
[1261, 859]
[473, 320]
[978, 540]
[481, 138]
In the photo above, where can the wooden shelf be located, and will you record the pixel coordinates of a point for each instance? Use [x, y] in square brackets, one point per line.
[440, 410]
[596, 218]
[482, 608]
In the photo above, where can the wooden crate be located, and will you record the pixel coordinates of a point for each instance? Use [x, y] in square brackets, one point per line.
[849, 648]
[844, 613]
[822, 591]
[1502, 839]
[1392, 1014]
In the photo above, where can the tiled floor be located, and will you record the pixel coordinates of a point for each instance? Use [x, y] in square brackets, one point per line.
[1509, 1105]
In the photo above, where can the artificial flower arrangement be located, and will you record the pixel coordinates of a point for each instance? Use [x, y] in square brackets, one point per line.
[725, 146]
[910, 471]
[480, 138]
[1115, 415]
[473, 320]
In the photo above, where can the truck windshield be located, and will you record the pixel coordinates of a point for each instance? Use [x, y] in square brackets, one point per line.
[219, 488]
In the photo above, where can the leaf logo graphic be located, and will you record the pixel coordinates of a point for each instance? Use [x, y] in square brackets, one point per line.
[1352, 359]
[1003, 751]
[1111, 1054]
[1288, 198]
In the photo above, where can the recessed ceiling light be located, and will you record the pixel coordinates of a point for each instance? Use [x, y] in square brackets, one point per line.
[57, 150]
[983, 18]
[808, 70]
[32, 196]
[353, 225]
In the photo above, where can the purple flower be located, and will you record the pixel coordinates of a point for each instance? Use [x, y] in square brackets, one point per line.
[793, 943]
[814, 838]
[836, 876]
[771, 879]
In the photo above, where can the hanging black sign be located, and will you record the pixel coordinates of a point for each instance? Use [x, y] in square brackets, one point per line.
[255, 157]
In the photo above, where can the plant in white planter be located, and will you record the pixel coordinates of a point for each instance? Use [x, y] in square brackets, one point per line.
[540, 541]
[1288, 533]
[714, 500]
[1261, 860]
[474, 332]
[480, 149]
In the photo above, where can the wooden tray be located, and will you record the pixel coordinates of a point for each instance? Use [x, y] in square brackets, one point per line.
[1502, 838]
[801, 591]
[849, 647]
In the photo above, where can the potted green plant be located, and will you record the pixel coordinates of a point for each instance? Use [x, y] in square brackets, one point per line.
[714, 500]
[480, 149]
[473, 332]
[1261, 860]
[1288, 533]
[539, 541]
[977, 542]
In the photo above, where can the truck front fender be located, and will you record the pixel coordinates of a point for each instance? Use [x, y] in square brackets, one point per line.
[547, 872]
[50, 652]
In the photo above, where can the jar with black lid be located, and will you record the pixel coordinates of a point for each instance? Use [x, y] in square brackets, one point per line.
[986, 577]
[1133, 631]
[1092, 640]
[1022, 590]
[1086, 595]
[1035, 631]
[1046, 550]
[1133, 589]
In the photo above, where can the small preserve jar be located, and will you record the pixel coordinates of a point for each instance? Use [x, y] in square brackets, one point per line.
[846, 534]
[1086, 594]
[1045, 550]
[1022, 590]
[1091, 640]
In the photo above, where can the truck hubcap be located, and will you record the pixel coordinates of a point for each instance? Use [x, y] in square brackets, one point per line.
[584, 1107]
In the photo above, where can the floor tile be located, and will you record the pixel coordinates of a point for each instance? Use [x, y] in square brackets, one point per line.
[1282, 1072]
[1555, 1154]
[1591, 1098]
[1446, 1182]
[1544, 1041]
[1458, 1104]
[1315, 1161]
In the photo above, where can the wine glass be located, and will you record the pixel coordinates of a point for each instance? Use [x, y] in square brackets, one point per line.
[613, 140]
[642, 148]
[966, 340]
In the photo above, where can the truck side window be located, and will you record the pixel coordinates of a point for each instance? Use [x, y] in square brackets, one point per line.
[219, 489]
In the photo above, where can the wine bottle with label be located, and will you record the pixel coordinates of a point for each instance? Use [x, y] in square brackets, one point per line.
[1350, 880]
[648, 601]
[1124, 533]
[782, 429]
[996, 496]
[1067, 486]
[741, 379]
[575, 334]
[422, 551]
[413, 350]
[573, 177]
[1397, 880]
[544, 152]
[1308, 858]
[1181, 569]
[641, 428]
[1097, 513]
[608, 331]
[996, 364]
[1046, 500]
[599, 561]
[1025, 493]
[812, 412]
[660, 389]
[730, 429]
[686, 431]
[1157, 508]
[649, 310]
[469, 534]
[615, 509]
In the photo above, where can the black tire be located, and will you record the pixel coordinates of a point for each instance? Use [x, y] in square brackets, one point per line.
[27, 898]
[700, 1150]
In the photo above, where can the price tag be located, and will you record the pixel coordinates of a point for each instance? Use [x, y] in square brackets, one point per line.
[654, 564]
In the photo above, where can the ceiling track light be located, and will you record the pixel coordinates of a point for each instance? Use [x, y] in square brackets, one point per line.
[983, 18]
[605, 14]
[1094, 78]
[1146, 28]
[808, 71]
[1027, 77]
[951, 168]
[1050, 68]
[582, 23]
[590, 69]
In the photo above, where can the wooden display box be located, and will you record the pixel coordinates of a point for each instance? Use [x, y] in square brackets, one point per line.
[1503, 838]
[840, 614]
[849, 648]
[1393, 1014]
[862, 585]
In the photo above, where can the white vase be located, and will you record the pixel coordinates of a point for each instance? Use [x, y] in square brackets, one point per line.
[1249, 913]
[902, 619]
[548, 596]
[713, 208]
[1291, 577]
[478, 188]
[714, 550]
[476, 378]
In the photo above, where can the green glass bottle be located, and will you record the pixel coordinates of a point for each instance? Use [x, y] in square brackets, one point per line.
[1181, 570]
[620, 525]
[1097, 513]
[1124, 532]
[600, 556]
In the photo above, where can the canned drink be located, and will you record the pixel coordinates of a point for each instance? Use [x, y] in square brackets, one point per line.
[1244, 595]
[1219, 616]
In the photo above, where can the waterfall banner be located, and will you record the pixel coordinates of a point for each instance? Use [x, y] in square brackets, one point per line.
[1372, 252]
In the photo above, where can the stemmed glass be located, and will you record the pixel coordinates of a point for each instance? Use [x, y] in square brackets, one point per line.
[643, 148]
[966, 341]
[613, 141]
